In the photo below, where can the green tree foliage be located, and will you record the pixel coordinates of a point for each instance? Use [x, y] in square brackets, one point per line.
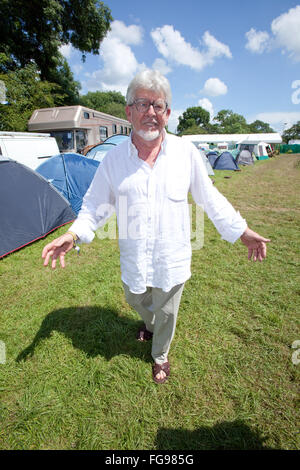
[63, 76]
[258, 127]
[110, 102]
[34, 31]
[231, 123]
[24, 92]
[193, 118]
[293, 133]
[196, 121]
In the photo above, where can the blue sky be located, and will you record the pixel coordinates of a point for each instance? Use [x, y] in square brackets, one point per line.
[243, 56]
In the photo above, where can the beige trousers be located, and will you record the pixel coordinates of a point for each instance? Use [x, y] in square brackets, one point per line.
[159, 311]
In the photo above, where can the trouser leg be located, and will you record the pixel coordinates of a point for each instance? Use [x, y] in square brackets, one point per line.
[165, 306]
[159, 311]
[142, 303]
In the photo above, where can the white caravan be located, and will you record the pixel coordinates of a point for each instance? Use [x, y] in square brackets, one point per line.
[27, 147]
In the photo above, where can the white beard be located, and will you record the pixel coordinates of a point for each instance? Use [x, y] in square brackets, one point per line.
[148, 135]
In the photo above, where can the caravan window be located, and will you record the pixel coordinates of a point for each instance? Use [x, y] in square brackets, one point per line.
[114, 128]
[64, 139]
[81, 140]
[103, 132]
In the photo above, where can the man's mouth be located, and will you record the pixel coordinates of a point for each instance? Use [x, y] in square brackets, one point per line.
[150, 123]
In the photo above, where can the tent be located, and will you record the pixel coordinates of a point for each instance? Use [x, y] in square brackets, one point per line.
[30, 207]
[263, 151]
[71, 174]
[116, 139]
[225, 161]
[212, 157]
[99, 151]
[208, 166]
[245, 158]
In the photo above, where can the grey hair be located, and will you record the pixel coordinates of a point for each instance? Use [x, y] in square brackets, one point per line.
[150, 80]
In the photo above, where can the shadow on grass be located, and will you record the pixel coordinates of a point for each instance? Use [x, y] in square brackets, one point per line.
[234, 435]
[94, 330]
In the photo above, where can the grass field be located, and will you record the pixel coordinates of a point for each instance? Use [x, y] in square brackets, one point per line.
[75, 378]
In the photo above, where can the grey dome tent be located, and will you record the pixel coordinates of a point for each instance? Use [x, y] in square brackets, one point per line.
[225, 161]
[30, 207]
[245, 158]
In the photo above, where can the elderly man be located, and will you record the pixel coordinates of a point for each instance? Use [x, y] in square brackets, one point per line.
[146, 180]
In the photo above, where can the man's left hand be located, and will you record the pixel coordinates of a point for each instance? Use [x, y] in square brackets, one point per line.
[256, 244]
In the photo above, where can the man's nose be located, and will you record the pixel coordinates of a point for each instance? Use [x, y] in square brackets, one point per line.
[151, 110]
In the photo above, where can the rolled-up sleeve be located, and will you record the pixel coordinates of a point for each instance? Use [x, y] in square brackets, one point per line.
[225, 218]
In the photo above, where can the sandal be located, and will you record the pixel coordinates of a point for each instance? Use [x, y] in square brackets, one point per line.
[157, 368]
[143, 334]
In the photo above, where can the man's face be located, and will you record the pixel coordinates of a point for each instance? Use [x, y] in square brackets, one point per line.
[149, 124]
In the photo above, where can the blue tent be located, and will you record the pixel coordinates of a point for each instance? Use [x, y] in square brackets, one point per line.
[30, 209]
[99, 151]
[71, 174]
[212, 157]
[225, 161]
[116, 139]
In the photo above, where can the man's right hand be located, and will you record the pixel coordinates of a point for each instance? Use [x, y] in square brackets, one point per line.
[57, 249]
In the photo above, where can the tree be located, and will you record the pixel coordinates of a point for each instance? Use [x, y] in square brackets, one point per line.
[63, 76]
[293, 133]
[110, 102]
[195, 117]
[34, 31]
[260, 127]
[25, 92]
[231, 123]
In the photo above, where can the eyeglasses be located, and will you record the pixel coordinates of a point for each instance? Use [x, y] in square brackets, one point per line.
[143, 105]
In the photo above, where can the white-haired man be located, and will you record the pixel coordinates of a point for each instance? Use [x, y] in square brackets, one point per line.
[146, 180]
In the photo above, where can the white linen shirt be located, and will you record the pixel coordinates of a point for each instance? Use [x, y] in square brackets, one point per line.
[152, 211]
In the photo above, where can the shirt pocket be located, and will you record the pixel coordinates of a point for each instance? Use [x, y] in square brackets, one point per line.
[177, 190]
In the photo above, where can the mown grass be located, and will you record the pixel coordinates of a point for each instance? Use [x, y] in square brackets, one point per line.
[75, 378]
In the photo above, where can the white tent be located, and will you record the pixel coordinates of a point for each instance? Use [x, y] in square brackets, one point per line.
[208, 166]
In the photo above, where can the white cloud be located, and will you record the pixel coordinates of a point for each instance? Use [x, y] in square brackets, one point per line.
[174, 119]
[161, 66]
[214, 87]
[258, 41]
[286, 29]
[285, 35]
[132, 34]
[278, 120]
[119, 61]
[215, 48]
[66, 50]
[207, 105]
[173, 47]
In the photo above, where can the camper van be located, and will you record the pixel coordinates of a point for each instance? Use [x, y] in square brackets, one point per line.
[28, 148]
[76, 127]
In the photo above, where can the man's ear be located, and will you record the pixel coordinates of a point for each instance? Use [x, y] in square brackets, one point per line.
[128, 111]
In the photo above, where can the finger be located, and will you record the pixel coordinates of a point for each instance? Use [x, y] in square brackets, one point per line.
[46, 250]
[47, 256]
[62, 259]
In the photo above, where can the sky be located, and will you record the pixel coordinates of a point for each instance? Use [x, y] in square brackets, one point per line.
[218, 54]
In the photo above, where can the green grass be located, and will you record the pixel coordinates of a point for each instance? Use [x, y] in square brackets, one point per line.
[75, 378]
